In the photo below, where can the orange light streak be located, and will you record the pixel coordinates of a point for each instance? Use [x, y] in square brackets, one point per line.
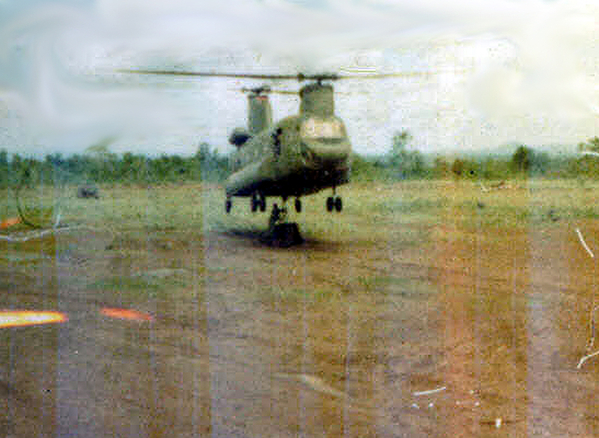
[22, 318]
[9, 222]
[128, 314]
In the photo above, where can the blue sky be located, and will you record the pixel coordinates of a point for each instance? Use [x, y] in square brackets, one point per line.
[501, 71]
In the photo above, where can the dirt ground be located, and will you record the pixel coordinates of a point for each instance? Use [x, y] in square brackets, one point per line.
[453, 324]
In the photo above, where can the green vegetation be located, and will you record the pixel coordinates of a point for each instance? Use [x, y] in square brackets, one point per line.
[398, 164]
[403, 162]
[99, 166]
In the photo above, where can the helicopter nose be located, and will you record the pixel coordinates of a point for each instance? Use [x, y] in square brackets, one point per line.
[329, 153]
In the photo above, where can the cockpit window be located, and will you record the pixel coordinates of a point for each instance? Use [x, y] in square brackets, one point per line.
[322, 129]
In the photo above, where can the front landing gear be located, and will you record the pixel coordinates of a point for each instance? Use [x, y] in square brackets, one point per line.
[277, 216]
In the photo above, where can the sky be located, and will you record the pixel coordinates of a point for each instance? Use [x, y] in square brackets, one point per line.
[473, 74]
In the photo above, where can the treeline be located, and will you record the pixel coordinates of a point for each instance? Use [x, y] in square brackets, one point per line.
[403, 163]
[99, 166]
[107, 168]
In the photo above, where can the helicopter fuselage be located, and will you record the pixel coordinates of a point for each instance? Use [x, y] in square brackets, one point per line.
[299, 155]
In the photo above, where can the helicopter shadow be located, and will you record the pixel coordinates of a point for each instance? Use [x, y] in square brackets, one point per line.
[288, 237]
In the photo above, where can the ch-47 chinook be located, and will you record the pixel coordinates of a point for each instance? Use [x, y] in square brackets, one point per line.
[299, 155]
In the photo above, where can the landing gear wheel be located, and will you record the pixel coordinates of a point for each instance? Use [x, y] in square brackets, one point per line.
[298, 205]
[277, 216]
[228, 205]
[338, 204]
[254, 203]
[330, 203]
[262, 203]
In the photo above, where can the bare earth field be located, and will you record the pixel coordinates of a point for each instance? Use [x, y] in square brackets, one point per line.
[423, 309]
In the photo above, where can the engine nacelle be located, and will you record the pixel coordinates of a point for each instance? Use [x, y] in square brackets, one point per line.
[239, 137]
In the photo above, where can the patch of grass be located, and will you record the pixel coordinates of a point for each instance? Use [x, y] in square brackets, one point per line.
[321, 294]
[390, 285]
[23, 258]
[495, 215]
[533, 202]
[116, 284]
[138, 288]
[588, 212]
[410, 206]
[128, 208]
[399, 213]
[300, 294]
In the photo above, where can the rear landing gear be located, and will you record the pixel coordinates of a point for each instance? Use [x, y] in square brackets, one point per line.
[298, 205]
[334, 203]
[262, 203]
[338, 204]
[258, 201]
[228, 205]
[254, 203]
[330, 203]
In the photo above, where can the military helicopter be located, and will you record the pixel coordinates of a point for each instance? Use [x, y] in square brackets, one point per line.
[299, 155]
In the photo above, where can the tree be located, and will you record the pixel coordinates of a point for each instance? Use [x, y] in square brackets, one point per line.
[16, 169]
[522, 159]
[440, 167]
[101, 164]
[3, 168]
[364, 168]
[591, 145]
[400, 141]
[404, 163]
[458, 167]
[588, 164]
[213, 166]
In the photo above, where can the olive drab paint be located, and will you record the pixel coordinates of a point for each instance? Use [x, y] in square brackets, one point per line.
[317, 99]
[259, 113]
[299, 155]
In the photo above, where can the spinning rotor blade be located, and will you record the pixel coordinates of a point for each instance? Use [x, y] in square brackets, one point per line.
[284, 92]
[385, 75]
[265, 90]
[299, 77]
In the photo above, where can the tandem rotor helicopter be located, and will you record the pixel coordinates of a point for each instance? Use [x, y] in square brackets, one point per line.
[299, 155]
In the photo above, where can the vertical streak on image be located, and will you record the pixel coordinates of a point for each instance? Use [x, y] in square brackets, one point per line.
[457, 258]
[550, 398]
